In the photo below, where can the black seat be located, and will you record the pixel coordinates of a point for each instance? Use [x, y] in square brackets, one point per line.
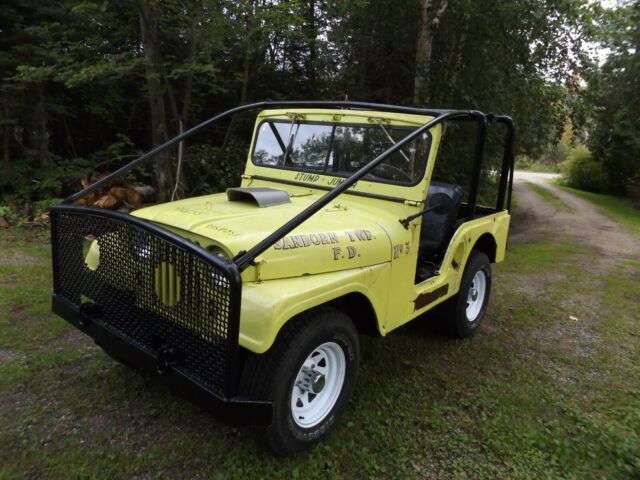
[437, 228]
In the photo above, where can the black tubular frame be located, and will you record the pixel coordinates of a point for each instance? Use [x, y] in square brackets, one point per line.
[245, 258]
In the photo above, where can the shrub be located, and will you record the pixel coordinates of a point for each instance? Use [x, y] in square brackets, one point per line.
[523, 162]
[584, 172]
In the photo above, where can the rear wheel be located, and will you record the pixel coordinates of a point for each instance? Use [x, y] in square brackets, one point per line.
[309, 373]
[466, 310]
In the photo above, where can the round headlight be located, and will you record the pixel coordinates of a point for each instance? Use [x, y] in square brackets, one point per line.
[218, 252]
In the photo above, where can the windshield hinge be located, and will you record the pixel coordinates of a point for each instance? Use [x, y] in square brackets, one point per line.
[258, 262]
[413, 203]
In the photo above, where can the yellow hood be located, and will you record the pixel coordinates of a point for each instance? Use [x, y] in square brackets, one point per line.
[340, 236]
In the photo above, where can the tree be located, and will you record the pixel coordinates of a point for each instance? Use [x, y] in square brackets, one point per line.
[615, 95]
[86, 84]
[430, 16]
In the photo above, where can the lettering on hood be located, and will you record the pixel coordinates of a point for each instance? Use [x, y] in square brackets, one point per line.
[324, 238]
[304, 240]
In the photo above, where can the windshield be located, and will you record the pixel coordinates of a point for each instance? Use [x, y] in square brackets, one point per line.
[340, 150]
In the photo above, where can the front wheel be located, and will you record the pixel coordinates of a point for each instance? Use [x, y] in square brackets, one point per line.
[309, 373]
[466, 310]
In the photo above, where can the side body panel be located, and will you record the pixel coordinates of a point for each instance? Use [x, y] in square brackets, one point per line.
[408, 301]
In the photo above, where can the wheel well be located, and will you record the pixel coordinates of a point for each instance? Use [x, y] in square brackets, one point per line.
[359, 309]
[487, 244]
[355, 305]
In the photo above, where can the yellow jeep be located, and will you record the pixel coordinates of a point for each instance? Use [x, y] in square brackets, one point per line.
[250, 302]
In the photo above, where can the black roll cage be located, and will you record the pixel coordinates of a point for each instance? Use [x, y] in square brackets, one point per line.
[245, 258]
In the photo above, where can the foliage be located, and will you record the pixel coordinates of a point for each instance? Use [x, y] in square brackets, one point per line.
[581, 170]
[615, 95]
[212, 169]
[78, 79]
[11, 215]
[525, 162]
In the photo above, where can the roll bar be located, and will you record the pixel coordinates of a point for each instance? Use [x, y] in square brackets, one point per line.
[244, 258]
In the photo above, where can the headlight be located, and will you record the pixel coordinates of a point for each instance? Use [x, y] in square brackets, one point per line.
[218, 252]
[218, 279]
[141, 247]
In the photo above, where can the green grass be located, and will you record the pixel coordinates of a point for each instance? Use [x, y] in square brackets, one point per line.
[618, 208]
[537, 167]
[548, 196]
[534, 394]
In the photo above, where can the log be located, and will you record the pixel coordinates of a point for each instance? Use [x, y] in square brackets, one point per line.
[108, 201]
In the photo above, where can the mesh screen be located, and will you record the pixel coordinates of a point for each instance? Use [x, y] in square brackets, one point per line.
[155, 292]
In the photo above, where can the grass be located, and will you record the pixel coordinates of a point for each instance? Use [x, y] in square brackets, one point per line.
[548, 196]
[537, 167]
[534, 394]
[618, 208]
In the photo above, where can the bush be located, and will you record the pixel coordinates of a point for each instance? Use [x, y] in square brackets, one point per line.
[523, 162]
[584, 172]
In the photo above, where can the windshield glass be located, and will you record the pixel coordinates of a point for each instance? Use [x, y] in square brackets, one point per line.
[340, 150]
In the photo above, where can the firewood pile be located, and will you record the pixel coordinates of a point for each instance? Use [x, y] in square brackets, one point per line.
[123, 197]
[120, 196]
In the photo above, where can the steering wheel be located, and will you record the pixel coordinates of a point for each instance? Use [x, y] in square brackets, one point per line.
[396, 170]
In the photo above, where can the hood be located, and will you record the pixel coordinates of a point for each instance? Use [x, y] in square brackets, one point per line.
[340, 236]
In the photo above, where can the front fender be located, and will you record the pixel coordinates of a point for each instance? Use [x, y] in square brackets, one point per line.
[267, 306]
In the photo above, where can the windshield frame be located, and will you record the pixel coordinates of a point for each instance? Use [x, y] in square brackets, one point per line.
[387, 181]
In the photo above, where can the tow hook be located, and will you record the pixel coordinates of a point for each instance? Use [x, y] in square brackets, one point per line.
[88, 312]
[167, 357]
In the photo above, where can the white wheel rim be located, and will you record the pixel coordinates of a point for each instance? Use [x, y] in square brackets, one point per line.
[325, 365]
[475, 295]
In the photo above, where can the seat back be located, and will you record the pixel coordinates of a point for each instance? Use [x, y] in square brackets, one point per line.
[437, 228]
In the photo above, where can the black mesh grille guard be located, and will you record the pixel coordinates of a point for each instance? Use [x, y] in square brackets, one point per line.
[164, 294]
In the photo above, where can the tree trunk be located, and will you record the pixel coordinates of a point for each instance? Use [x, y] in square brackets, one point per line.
[246, 73]
[424, 46]
[312, 34]
[194, 42]
[40, 136]
[159, 133]
[6, 147]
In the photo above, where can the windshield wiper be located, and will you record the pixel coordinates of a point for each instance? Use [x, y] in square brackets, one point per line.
[393, 142]
[278, 137]
[291, 137]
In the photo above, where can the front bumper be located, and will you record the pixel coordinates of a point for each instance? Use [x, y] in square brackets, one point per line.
[234, 410]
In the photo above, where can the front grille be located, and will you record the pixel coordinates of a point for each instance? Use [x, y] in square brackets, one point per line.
[155, 289]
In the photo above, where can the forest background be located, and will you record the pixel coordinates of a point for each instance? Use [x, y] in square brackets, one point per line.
[86, 86]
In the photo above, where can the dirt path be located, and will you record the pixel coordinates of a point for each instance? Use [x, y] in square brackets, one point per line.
[574, 218]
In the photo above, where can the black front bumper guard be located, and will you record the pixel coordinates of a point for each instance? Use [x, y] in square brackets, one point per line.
[164, 363]
[157, 301]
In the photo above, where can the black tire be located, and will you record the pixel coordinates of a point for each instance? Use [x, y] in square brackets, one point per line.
[273, 375]
[459, 323]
